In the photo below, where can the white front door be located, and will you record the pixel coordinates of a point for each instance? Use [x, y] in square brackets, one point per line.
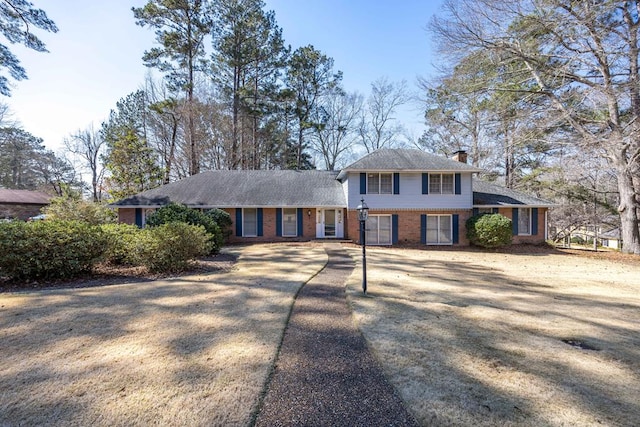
[329, 223]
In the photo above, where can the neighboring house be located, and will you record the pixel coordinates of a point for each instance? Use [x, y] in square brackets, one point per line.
[21, 204]
[413, 196]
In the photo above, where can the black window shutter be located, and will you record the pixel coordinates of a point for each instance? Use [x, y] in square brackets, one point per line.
[425, 183]
[454, 226]
[423, 229]
[300, 229]
[394, 229]
[514, 220]
[239, 222]
[458, 183]
[396, 183]
[363, 183]
[278, 222]
[534, 221]
[260, 228]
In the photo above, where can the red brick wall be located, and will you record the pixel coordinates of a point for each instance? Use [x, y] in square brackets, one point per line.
[408, 224]
[128, 216]
[269, 227]
[536, 239]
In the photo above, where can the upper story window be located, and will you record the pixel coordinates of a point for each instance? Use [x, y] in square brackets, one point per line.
[441, 183]
[379, 183]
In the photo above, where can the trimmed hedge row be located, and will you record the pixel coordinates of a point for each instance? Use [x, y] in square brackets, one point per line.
[64, 249]
[49, 249]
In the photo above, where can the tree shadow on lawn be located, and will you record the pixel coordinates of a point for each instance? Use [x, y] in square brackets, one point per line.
[467, 344]
[130, 352]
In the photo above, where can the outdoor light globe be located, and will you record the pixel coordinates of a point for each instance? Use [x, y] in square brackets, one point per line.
[363, 211]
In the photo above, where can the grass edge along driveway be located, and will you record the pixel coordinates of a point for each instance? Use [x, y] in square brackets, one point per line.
[190, 350]
[485, 339]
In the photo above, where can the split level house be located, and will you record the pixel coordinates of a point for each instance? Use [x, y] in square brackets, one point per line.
[413, 198]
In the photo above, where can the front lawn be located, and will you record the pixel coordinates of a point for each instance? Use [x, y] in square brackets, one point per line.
[191, 350]
[487, 339]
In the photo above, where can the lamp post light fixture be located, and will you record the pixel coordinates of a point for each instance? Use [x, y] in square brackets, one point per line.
[363, 214]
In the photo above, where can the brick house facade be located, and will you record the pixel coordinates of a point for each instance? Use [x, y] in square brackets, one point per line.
[414, 198]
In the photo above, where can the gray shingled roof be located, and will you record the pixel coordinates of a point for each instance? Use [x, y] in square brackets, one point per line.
[488, 194]
[402, 159]
[24, 197]
[263, 188]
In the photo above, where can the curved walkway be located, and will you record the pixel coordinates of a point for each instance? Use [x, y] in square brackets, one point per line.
[325, 374]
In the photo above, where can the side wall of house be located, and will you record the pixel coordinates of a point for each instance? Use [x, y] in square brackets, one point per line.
[19, 211]
[535, 239]
[127, 215]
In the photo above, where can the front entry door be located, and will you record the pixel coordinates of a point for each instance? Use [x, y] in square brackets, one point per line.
[329, 223]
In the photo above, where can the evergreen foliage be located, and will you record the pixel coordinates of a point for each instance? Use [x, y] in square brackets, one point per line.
[169, 247]
[17, 17]
[489, 230]
[175, 212]
[49, 249]
[76, 209]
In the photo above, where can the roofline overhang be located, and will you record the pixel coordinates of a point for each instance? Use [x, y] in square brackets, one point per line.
[523, 205]
[316, 206]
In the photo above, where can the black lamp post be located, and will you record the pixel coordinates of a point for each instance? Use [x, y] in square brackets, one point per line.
[363, 214]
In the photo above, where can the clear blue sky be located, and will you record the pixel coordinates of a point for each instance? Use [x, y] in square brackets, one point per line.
[95, 58]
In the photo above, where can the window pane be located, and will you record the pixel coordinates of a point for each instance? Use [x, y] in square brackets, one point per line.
[445, 230]
[524, 220]
[385, 183]
[434, 183]
[447, 184]
[432, 229]
[289, 222]
[373, 183]
[371, 227]
[250, 222]
[384, 230]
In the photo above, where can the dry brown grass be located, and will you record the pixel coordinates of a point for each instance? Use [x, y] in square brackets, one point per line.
[473, 338]
[191, 350]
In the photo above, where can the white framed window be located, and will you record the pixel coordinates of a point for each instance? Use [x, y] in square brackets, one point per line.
[289, 222]
[524, 221]
[379, 183]
[249, 222]
[439, 230]
[441, 183]
[378, 230]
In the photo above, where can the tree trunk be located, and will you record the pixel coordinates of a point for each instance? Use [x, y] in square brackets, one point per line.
[628, 209]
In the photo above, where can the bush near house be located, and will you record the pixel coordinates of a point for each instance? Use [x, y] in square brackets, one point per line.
[489, 230]
[122, 242]
[73, 209]
[169, 247]
[223, 219]
[49, 249]
[175, 212]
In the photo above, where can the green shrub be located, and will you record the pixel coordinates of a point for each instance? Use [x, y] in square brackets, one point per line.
[223, 219]
[49, 249]
[169, 247]
[489, 230]
[174, 212]
[122, 244]
[70, 209]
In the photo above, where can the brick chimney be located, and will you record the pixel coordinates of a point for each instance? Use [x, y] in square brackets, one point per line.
[460, 156]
